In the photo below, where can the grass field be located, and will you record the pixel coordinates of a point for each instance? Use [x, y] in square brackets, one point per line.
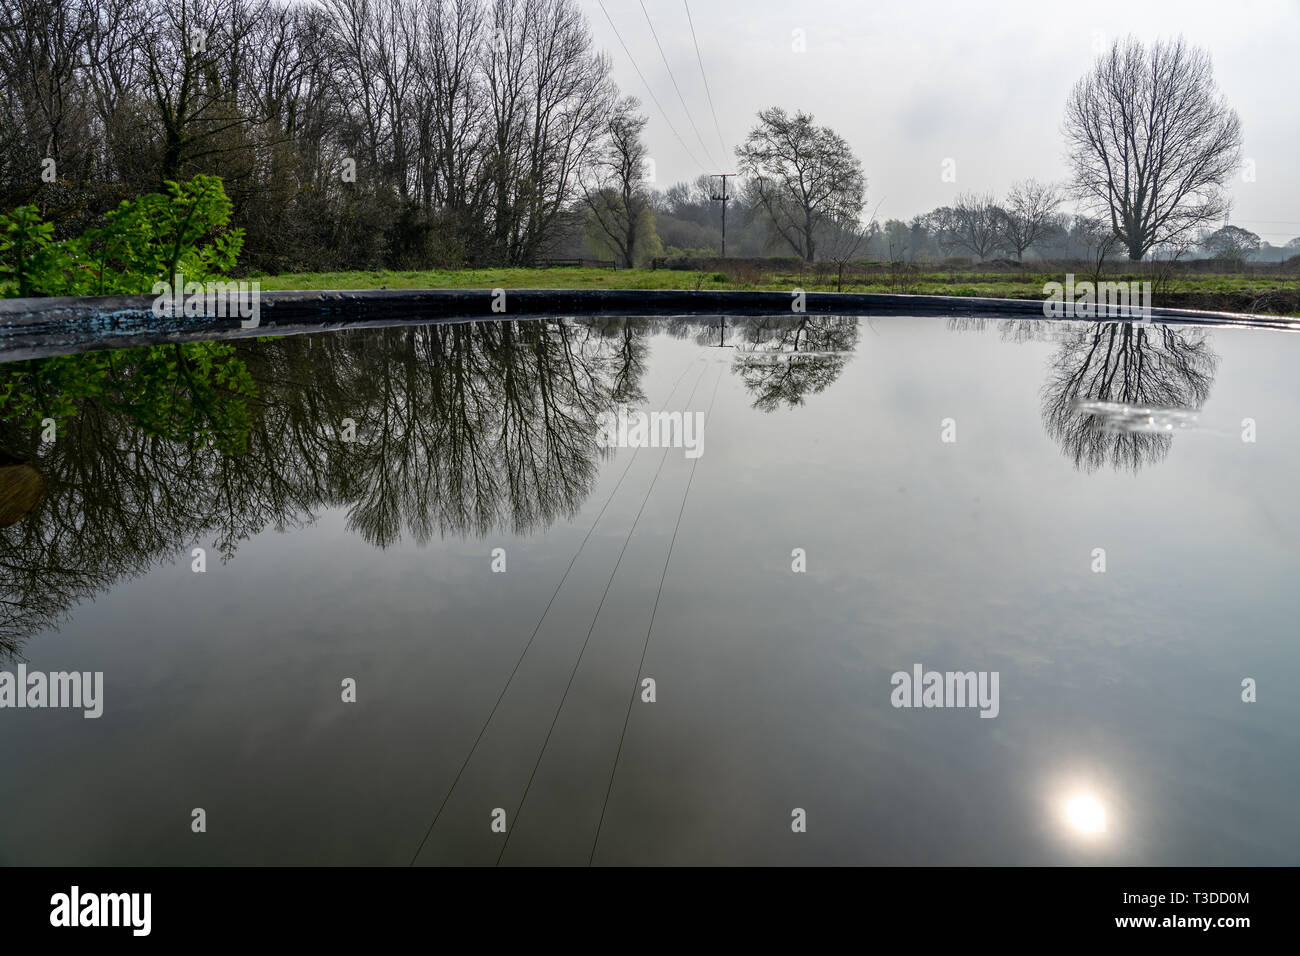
[1277, 293]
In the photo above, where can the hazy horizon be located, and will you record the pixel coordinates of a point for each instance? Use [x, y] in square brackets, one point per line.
[910, 87]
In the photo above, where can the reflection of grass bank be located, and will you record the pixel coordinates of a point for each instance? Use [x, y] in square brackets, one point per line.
[1273, 293]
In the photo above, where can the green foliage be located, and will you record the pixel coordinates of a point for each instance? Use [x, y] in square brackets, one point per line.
[144, 240]
[29, 261]
[196, 394]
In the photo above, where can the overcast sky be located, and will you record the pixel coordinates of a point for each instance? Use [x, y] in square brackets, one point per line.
[912, 83]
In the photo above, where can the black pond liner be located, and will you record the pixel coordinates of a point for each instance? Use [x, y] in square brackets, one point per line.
[34, 328]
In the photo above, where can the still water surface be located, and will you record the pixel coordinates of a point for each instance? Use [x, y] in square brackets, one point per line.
[1121, 736]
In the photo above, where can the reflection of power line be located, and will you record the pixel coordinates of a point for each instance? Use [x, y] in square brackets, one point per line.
[645, 83]
[700, 60]
[627, 719]
[578, 663]
[529, 643]
[686, 109]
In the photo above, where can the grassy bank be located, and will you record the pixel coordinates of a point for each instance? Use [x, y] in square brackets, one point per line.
[1277, 294]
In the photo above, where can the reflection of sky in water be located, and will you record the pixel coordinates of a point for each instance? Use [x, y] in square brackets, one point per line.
[1121, 736]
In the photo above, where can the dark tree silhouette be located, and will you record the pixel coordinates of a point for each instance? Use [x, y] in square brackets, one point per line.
[1152, 142]
[461, 429]
[782, 361]
[1154, 367]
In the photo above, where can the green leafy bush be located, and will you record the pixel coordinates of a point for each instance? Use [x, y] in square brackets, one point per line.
[145, 239]
[29, 261]
[199, 393]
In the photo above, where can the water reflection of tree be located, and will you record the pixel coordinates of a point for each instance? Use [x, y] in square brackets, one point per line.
[1130, 364]
[628, 339]
[1014, 330]
[133, 429]
[783, 360]
[780, 359]
[467, 428]
[461, 429]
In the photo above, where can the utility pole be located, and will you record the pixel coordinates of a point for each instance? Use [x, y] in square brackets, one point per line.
[724, 199]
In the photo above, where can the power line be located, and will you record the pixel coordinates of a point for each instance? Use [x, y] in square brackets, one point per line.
[578, 663]
[529, 643]
[653, 98]
[686, 109]
[646, 646]
[500, 697]
[700, 60]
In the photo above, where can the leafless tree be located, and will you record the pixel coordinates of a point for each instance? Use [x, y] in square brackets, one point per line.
[843, 239]
[549, 96]
[1099, 242]
[802, 176]
[1152, 141]
[452, 108]
[1125, 364]
[469, 121]
[193, 54]
[372, 43]
[616, 196]
[1027, 214]
[41, 50]
[973, 222]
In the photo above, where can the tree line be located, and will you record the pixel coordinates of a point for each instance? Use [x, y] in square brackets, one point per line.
[349, 133]
[362, 134]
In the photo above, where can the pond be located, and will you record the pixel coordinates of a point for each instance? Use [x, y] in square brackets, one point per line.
[395, 595]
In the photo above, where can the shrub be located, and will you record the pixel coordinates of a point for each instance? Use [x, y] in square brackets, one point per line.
[198, 393]
[143, 240]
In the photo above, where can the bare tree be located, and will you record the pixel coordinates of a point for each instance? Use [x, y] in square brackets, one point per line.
[468, 122]
[843, 238]
[1099, 242]
[1152, 141]
[802, 176]
[369, 43]
[549, 94]
[41, 46]
[452, 108]
[1100, 368]
[616, 197]
[1027, 216]
[192, 54]
[973, 222]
